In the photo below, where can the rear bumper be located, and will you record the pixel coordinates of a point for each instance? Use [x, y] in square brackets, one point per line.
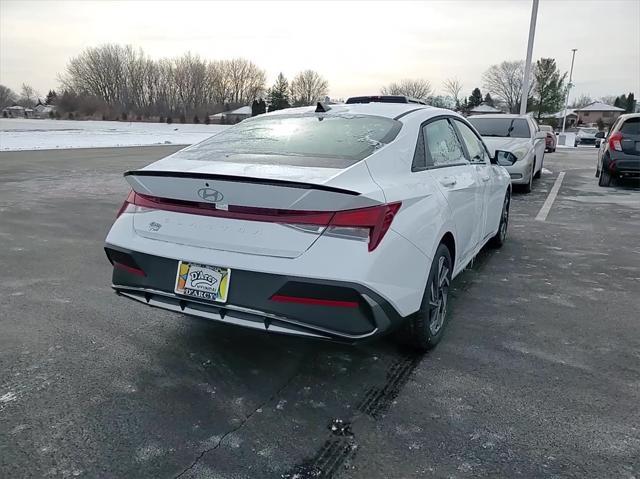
[622, 164]
[249, 301]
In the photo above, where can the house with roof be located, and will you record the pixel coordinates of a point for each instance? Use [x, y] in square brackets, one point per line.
[17, 111]
[569, 113]
[43, 111]
[596, 111]
[231, 116]
[484, 109]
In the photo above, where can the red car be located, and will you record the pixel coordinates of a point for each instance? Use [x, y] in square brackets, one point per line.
[550, 141]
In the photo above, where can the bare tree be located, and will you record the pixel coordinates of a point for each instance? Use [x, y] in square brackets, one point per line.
[453, 87]
[28, 96]
[7, 96]
[504, 81]
[608, 99]
[418, 88]
[245, 80]
[307, 87]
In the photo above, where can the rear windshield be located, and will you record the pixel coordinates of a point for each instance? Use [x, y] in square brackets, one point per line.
[301, 140]
[590, 131]
[631, 126]
[502, 127]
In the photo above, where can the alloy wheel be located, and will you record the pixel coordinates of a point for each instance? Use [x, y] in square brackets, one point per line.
[438, 295]
[504, 220]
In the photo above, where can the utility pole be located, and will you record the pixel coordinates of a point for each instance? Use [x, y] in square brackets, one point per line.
[566, 100]
[527, 65]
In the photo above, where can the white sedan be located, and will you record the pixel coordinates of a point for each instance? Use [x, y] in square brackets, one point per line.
[339, 222]
[520, 135]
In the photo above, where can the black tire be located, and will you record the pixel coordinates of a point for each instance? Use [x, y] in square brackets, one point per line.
[605, 178]
[529, 186]
[539, 173]
[553, 151]
[500, 237]
[425, 328]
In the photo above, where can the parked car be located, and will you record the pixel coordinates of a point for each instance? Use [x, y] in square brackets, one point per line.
[619, 153]
[518, 134]
[550, 140]
[586, 136]
[341, 223]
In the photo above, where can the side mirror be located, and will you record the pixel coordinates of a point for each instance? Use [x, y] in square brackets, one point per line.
[600, 134]
[541, 135]
[504, 158]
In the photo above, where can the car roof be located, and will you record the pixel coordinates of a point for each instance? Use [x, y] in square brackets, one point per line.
[626, 116]
[387, 110]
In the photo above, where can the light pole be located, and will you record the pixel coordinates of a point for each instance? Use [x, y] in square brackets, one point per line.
[569, 85]
[527, 65]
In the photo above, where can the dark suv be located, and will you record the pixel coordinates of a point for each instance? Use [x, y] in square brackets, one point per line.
[619, 154]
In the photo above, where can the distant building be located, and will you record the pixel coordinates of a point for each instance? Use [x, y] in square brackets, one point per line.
[43, 111]
[598, 111]
[484, 109]
[572, 118]
[232, 116]
[17, 111]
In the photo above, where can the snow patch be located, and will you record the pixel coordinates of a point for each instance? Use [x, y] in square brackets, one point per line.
[29, 134]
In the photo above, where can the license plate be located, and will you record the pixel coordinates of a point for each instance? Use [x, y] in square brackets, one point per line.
[200, 281]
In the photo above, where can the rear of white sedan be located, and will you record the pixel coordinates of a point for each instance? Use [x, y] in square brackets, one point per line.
[303, 221]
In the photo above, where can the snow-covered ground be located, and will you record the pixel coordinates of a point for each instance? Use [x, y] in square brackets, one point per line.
[28, 134]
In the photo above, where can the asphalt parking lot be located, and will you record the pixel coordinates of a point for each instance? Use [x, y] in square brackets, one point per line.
[538, 374]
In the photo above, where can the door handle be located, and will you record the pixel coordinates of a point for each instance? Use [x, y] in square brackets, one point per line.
[448, 181]
[485, 178]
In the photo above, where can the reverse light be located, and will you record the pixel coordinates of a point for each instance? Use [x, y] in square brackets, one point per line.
[372, 222]
[615, 141]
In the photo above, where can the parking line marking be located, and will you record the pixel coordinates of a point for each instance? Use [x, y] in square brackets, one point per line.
[546, 207]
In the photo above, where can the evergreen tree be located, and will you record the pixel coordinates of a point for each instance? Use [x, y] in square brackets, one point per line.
[51, 98]
[620, 101]
[279, 94]
[488, 100]
[255, 108]
[549, 88]
[476, 98]
[631, 103]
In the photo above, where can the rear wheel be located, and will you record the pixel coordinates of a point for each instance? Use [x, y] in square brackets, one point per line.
[498, 240]
[425, 327]
[605, 178]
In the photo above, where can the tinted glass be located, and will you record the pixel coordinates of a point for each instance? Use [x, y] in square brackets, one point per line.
[476, 149]
[502, 127]
[304, 140]
[631, 127]
[442, 144]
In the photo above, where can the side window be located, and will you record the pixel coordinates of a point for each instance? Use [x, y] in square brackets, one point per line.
[477, 152]
[442, 145]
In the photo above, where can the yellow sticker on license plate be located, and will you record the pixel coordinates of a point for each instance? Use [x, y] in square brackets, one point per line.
[201, 281]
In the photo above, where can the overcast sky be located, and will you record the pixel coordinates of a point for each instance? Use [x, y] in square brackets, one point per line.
[357, 46]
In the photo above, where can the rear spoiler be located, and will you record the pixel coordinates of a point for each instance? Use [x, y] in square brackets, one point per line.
[239, 179]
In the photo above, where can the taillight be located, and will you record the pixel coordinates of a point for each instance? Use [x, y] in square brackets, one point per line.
[372, 222]
[615, 141]
[127, 203]
[366, 224]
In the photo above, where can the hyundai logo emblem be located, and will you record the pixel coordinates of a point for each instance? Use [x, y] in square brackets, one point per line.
[209, 194]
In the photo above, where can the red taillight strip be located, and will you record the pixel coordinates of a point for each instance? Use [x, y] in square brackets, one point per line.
[129, 269]
[281, 298]
[377, 219]
[271, 215]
